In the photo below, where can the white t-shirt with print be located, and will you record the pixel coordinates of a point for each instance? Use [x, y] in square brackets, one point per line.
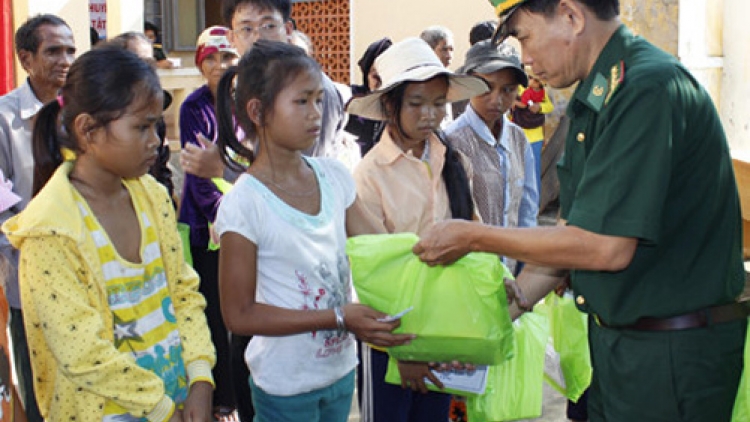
[302, 264]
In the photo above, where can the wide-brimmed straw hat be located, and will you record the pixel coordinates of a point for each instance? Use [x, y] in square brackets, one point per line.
[412, 60]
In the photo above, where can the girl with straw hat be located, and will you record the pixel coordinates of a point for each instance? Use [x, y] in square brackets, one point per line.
[408, 181]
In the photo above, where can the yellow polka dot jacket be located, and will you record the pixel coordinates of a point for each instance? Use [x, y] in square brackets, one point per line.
[70, 327]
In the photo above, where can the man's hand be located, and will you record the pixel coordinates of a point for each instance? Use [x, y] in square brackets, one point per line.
[204, 161]
[445, 242]
[198, 404]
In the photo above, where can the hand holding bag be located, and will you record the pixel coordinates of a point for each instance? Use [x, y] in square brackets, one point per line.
[460, 311]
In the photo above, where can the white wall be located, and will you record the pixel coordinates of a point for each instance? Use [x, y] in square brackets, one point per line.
[735, 96]
[124, 16]
[398, 19]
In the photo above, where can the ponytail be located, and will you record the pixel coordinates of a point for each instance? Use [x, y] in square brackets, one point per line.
[225, 112]
[46, 144]
[456, 182]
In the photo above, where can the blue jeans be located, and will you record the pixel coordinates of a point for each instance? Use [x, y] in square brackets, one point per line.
[328, 404]
[536, 148]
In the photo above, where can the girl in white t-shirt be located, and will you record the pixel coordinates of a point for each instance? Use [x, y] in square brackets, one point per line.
[283, 271]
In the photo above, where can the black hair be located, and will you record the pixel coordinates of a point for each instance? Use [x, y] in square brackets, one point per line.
[482, 31]
[103, 83]
[603, 9]
[27, 36]
[148, 26]
[93, 36]
[261, 74]
[454, 174]
[284, 7]
[160, 170]
[373, 51]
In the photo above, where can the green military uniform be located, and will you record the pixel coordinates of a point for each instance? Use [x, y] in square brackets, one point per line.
[646, 157]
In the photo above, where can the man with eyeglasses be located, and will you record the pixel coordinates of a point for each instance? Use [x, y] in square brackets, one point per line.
[651, 227]
[251, 20]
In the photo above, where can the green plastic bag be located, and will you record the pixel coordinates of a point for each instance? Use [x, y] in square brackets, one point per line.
[460, 311]
[742, 404]
[569, 329]
[184, 231]
[514, 388]
[223, 187]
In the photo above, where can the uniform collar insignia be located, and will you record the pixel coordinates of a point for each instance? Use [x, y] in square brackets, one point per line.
[616, 76]
[598, 91]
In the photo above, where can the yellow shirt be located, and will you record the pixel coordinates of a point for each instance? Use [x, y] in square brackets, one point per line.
[69, 322]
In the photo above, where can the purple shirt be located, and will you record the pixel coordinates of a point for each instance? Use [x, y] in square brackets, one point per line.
[200, 197]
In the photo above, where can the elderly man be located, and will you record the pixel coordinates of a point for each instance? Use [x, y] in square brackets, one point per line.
[440, 40]
[650, 227]
[46, 49]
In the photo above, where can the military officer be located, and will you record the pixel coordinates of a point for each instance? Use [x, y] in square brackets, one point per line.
[650, 218]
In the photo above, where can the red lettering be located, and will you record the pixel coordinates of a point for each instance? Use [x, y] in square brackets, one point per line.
[98, 7]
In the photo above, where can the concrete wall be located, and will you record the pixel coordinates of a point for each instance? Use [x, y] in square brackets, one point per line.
[655, 20]
[398, 19]
[735, 93]
[122, 16]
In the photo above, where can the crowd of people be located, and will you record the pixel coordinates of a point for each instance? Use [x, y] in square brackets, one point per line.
[246, 313]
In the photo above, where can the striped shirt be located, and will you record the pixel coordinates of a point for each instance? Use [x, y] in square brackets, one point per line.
[139, 298]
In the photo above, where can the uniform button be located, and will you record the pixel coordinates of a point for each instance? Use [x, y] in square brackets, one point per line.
[581, 137]
[580, 300]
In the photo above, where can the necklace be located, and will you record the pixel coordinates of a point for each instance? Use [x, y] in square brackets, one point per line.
[308, 192]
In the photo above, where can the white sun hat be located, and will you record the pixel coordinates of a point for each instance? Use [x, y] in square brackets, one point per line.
[412, 60]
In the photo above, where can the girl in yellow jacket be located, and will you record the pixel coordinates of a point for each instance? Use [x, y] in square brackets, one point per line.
[114, 321]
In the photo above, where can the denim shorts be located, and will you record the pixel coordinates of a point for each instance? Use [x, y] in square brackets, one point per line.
[328, 404]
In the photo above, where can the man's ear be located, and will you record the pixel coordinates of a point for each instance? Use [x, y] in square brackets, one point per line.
[573, 14]
[25, 57]
[230, 38]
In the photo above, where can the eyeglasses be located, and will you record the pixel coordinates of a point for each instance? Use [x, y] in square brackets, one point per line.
[264, 29]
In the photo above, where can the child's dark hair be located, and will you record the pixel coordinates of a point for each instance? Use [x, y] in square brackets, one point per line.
[148, 26]
[261, 74]
[102, 83]
[284, 7]
[454, 174]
